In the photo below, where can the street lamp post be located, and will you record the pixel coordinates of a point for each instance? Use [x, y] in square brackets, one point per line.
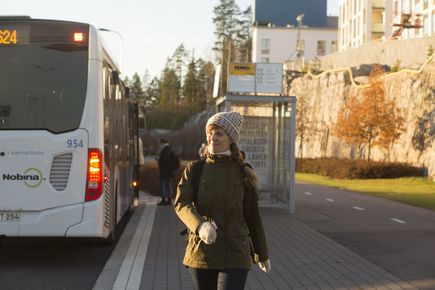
[299, 48]
[121, 50]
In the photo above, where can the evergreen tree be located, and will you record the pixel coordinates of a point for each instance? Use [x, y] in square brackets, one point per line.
[226, 23]
[169, 89]
[244, 35]
[136, 90]
[233, 33]
[152, 92]
[127, 81]
[146, 79]
[205, 79]
[179, 61]
[191, 85]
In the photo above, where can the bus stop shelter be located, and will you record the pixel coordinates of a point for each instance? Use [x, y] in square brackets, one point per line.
[268, 139]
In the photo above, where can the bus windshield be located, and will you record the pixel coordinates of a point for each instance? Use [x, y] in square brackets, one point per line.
[43, 79]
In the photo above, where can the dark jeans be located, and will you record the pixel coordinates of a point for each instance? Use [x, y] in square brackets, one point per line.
[227, 279]
[166, 188]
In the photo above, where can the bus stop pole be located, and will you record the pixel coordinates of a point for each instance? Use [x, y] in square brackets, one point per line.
[292, 193]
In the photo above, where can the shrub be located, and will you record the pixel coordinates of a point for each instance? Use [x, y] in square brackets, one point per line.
[396, 66]
[356, 169]
[149, 178]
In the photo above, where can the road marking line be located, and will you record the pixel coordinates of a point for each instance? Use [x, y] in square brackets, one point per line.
[398, 221]
[330, 200]
[359, 208]
[308, 193]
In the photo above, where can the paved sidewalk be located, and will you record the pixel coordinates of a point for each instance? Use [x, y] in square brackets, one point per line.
[301, 257]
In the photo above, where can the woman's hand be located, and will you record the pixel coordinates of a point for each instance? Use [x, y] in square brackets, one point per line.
[207, 233]
[265, 266]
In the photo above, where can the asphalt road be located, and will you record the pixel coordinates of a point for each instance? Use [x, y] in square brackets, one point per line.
[397, 237]
[394, 236]
[52, 263]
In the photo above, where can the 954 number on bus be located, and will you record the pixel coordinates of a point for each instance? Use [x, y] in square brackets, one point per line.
[9, 216]
[74, 143]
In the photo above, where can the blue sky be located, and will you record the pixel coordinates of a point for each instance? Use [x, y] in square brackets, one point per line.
[151, 30]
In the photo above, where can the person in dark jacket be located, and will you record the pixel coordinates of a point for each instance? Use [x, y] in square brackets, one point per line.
[225, 230]
[165, 172]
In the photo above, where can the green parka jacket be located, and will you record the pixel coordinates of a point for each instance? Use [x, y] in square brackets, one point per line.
[221, 198]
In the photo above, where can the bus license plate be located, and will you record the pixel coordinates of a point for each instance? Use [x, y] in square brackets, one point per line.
[9, 216]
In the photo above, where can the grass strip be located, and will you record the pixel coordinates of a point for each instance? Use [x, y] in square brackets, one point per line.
[414, 191]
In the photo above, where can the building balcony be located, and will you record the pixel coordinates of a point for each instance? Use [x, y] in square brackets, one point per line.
[378, 4]
[378, 27]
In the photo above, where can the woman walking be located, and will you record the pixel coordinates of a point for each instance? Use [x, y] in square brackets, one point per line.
[220, 210]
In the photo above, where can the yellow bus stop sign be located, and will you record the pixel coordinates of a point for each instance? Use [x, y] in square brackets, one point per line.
[242, 69]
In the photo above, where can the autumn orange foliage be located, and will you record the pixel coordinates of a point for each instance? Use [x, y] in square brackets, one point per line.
[371, 121]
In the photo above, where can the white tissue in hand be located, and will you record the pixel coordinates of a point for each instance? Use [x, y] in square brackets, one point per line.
[207, 233]
[265, 266]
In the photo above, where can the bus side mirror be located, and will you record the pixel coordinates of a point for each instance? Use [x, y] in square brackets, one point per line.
[115, 78]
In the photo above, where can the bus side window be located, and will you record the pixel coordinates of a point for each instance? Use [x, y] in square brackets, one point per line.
[106, 102]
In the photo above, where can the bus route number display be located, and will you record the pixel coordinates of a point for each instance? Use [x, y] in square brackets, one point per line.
[8, 36]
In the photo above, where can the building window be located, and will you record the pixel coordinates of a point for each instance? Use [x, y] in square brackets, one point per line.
[265, 46]
[433, 22]
[417, 6]
[265, 60]
[333, 46]
[426, 25]
[354, 28]
[415, 33]
[395, 9]
[321, 47]
[405, 6]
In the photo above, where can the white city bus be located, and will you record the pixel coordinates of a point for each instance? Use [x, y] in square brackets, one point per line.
[66, 132]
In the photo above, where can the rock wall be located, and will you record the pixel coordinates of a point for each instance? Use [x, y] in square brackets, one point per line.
[414, 93]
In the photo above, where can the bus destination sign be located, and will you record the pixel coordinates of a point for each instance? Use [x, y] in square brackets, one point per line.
[8, 37]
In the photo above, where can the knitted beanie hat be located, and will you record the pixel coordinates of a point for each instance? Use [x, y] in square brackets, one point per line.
[229, 121]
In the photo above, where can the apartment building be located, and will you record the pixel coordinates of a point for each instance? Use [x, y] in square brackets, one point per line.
[363, 21]
[291, 30]
[278, 44]
[415, 17]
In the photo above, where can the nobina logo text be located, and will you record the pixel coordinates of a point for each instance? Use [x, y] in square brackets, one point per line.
[32, 177]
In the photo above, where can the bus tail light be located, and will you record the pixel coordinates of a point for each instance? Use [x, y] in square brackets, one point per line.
[94, 182]
[78, 36]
